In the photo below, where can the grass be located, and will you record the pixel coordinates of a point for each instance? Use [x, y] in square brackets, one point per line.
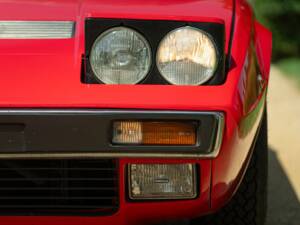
[291, 67]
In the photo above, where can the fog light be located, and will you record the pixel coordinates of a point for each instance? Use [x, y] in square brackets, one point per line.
[162, 181]
[155, 133]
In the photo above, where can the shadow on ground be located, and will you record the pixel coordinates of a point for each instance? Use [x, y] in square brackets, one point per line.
[284, 206]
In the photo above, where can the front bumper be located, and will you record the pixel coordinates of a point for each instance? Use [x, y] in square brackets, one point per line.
[88, 133]
[85, 134]
[130, 212]
[212, 193]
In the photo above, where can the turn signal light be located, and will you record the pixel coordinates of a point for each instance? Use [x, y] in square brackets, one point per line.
[155, 133]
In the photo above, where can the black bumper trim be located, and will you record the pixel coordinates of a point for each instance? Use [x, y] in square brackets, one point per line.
[39, 133]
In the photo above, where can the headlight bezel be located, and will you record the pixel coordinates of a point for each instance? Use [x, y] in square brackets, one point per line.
[154, 31]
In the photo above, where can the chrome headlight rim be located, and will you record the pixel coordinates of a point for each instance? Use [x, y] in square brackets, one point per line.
[139, 35]
[213, 42]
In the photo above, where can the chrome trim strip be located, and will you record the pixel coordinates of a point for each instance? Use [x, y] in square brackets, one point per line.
[55, 155]
[36, 29]
[219, 136]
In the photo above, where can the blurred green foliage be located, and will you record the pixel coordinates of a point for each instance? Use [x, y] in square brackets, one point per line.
[283, 18]
[290, 67]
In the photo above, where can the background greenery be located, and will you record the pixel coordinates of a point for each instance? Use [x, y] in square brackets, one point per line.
[283, 18]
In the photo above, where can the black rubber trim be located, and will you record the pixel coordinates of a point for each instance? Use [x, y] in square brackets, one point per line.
[71, 131]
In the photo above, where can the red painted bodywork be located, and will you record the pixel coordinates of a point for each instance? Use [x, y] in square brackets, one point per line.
[46, 74]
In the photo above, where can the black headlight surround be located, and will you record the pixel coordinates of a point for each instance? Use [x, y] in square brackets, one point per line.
[154, 31]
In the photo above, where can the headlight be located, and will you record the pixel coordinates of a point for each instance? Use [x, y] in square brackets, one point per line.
[120, 56]
[187, 56]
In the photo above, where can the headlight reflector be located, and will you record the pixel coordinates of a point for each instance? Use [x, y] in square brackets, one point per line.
[120, 56]
[162, 181]
[187, 56]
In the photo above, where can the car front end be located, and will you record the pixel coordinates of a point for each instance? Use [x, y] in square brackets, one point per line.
[97, 125]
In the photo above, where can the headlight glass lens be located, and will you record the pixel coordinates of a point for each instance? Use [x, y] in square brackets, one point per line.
[187, 56]
[120, 56]
[162, 181]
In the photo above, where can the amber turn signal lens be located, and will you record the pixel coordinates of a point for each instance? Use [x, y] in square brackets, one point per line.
[155, 133]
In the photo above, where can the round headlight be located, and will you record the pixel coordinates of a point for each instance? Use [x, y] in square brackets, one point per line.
[120, 56]
[187, 56]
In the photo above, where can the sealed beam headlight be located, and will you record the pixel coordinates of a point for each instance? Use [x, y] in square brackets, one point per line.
[187, 56]
[120, 56]
[162, 181]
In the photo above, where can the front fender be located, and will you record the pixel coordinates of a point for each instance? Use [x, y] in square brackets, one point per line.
[251, 55]
[263, 47]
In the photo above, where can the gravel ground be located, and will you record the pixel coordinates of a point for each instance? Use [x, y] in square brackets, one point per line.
[284, 141]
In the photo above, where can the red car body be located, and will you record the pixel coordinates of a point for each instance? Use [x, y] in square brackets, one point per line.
[45, 74]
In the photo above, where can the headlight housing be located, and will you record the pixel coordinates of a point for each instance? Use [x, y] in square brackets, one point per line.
[187, 56]
[154, 31]
[120, 55]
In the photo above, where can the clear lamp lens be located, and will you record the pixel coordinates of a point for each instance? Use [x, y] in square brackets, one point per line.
[162, 181]
[187, 56]
[120, 56]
